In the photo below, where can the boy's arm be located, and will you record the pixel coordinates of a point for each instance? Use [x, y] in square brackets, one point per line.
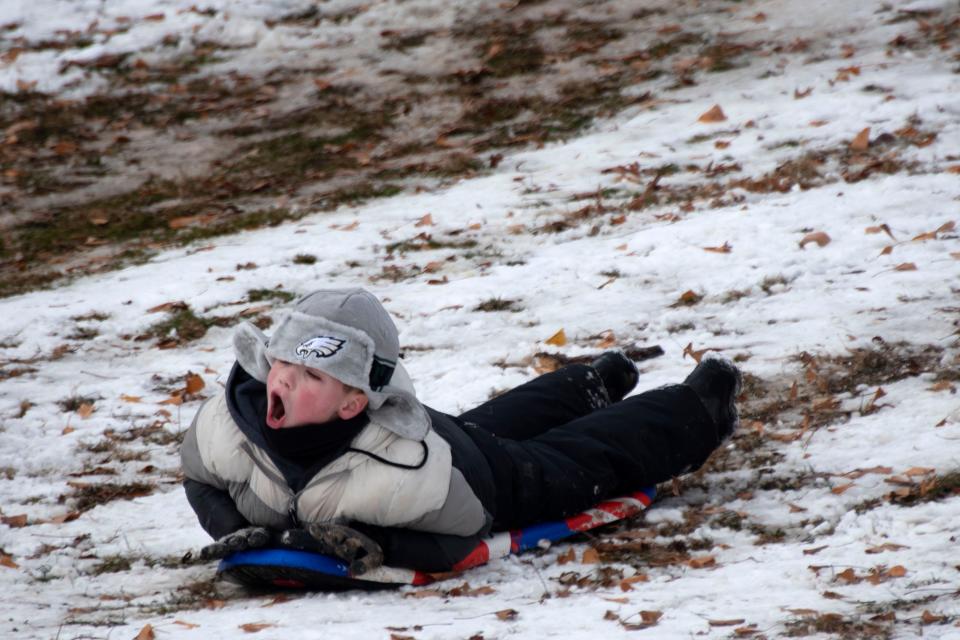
[215, 509]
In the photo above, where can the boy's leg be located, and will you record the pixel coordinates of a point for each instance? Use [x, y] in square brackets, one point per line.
[639, 442]
[541, 404]
[556, 398]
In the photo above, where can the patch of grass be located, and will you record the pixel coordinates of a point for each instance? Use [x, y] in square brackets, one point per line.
[74, 402]
[111, 564]
[497, 304]
[180, 326]
[259, 295]
[87, 497]
[304, 258]
[93, 316]
[426, 242]
[84, 333]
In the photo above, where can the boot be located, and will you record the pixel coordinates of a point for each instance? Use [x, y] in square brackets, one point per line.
[618, 373]
[717, 382]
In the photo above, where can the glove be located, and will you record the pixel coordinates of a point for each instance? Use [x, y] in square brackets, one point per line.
[240, 540]
[348, 545]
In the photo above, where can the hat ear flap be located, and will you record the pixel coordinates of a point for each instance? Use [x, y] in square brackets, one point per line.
[250, 347]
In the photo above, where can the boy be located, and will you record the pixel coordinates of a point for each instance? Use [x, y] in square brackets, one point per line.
[319, 443]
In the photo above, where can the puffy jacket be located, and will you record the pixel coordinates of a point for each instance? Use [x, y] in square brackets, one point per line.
[427, 502]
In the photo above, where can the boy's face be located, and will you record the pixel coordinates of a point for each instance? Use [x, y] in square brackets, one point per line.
[298, 395]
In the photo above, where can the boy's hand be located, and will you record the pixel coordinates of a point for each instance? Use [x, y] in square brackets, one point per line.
[240, 540]
[340, 541]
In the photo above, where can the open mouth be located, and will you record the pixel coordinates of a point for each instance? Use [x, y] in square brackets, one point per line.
[275, 411]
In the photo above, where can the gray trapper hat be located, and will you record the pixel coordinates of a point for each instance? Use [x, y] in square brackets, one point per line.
[347, 334]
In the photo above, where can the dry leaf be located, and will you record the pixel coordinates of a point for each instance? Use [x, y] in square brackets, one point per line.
[702, 562]
[814, 550]
[254, 627]
[175, 399]
[803, 612]
[186, 625]
[567, 556]
[726, 623]
[725, 248]
[194, 383]
[67, 429]
[650, 617]
[943, 385]
[946, 227]
[886, 546]
[848, 575]
[627, 583]
[7, 561]
[425, 221]
[697, 355]
[590, 556]
[930, 618]
[905, 266]
[838, 490]
[507, 614]
[919, 471]
[608, 340]
[861, 141]
[127, 398]
[146, 633]
[897, 571]
[558, 339]
[688, 298]
[714, 114]
[881, 228]
[16, 521]
[819, 237]
[85, 410]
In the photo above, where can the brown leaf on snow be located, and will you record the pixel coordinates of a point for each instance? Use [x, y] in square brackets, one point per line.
[919, 471]
[146, 633]
[943, 385]
[131, 399]
[905, 266]
[818, 237]
[687, 299]
[726, 623]
[848, 575]
[859, 472]
[887, 250]
[567, 556]
[861, 142]
[697, 355]
[425, 221]
[507, 614]
[724, 248]
[185, 624]
[927, 617]
[16, 521]
[881, 228]
[627, 583]
[558, 339]
[85, 410]
[590, 556]
[254, 627]
[194, 383]
[7, 561]
[814, 550]
[702, 562]
[713, 114]
[840, 489]
[886, 546]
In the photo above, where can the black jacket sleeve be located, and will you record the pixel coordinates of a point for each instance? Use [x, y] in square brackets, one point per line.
[420, 550]
[215, 509]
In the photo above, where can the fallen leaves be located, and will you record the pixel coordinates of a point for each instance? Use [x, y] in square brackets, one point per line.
[255, 627]
[146, 633]
[558, 339]
[687, 299]
[713, 114]
[820, 238]
[193, 384]
[7, 561]
[861, 142]
[724, 248]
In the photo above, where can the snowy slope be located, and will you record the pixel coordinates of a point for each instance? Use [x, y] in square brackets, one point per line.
[781, 535]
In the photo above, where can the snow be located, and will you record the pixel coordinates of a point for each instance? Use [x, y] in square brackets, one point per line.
[790, 299]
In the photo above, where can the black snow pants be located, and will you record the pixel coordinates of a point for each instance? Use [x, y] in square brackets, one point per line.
[557, 445]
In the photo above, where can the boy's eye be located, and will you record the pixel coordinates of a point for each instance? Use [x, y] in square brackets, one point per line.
[314, 375]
